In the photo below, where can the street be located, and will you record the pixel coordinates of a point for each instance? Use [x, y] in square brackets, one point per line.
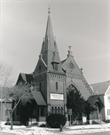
[97, 133]
[7, 134]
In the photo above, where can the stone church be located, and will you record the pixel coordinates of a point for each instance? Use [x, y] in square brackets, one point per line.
[53, 78]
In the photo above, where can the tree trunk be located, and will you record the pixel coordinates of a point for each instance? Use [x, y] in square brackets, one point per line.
[11, 120]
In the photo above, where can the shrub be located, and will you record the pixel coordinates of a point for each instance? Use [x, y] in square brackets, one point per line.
[43, 125]
[55, 120]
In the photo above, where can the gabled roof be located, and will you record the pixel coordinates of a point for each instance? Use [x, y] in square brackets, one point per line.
[100, 88]
[27, 78]
[93, 99]
[63, 61]
[7, 100]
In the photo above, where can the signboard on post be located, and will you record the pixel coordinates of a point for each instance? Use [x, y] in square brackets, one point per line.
[84, 119]
[69, 111]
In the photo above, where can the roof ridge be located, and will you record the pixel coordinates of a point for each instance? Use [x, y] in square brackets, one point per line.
[100, 82]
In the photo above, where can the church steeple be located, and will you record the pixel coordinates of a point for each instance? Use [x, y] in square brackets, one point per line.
[49, 39]
[49, 48]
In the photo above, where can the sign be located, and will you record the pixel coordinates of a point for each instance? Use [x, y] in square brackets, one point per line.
[69, 111]
[84, 119]
[56, 96]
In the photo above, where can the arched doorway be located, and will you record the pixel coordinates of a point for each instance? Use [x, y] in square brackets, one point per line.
[98, 107]
[71, 87]
[96, 103]
[71, 92]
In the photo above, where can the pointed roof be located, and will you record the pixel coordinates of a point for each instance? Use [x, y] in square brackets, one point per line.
[48, 43]
[100, 88]
[25, 78]
[49, 48]
[93, 99]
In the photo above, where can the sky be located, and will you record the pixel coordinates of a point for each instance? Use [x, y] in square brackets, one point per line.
[82, 24]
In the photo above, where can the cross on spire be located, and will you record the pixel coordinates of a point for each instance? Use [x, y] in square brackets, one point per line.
[69, 52]
[69, 48]
[49, 9]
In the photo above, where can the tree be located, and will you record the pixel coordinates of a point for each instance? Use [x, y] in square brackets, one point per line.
[7, 75]
[7, 79]
[78, 104]
[89, 109]
[21, 94]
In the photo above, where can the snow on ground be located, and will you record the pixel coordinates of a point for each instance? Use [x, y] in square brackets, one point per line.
[34, 130]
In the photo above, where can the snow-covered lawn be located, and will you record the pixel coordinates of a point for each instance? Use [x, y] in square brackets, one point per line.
[34, 130]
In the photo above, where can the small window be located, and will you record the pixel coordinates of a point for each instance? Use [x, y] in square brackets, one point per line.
[109, 99]
[52, 110]
[55, 110]
[56, 85]
[58, 110]
[55, 66]
[61, 110]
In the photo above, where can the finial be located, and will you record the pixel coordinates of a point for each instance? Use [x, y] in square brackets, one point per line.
[69, 48]
[49, 9]
[55, 39]
[69, 52]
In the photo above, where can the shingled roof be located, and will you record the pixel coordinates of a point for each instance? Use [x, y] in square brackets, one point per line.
[38, 98]
[27, 78]
[100, 88]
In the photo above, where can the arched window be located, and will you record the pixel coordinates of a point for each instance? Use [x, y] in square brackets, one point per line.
[52, 109]
[55, 110]
[56, 85]
[58, 110]
[61, 110]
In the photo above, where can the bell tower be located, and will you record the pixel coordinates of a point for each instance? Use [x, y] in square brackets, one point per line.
[49, 75]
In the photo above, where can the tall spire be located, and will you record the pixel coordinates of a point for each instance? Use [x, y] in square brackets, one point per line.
[49, 48]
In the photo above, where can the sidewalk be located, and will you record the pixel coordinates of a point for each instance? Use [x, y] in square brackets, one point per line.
[34, 130]
[91, 126]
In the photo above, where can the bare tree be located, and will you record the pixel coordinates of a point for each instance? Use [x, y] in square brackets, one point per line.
[7, 75]
[7, 79]
[21, 94]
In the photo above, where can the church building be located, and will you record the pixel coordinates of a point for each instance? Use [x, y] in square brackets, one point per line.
[53, 78]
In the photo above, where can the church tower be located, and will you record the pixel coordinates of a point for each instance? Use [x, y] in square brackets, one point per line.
[49, 78]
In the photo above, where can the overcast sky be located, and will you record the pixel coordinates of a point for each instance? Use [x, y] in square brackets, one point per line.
[82, 24]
